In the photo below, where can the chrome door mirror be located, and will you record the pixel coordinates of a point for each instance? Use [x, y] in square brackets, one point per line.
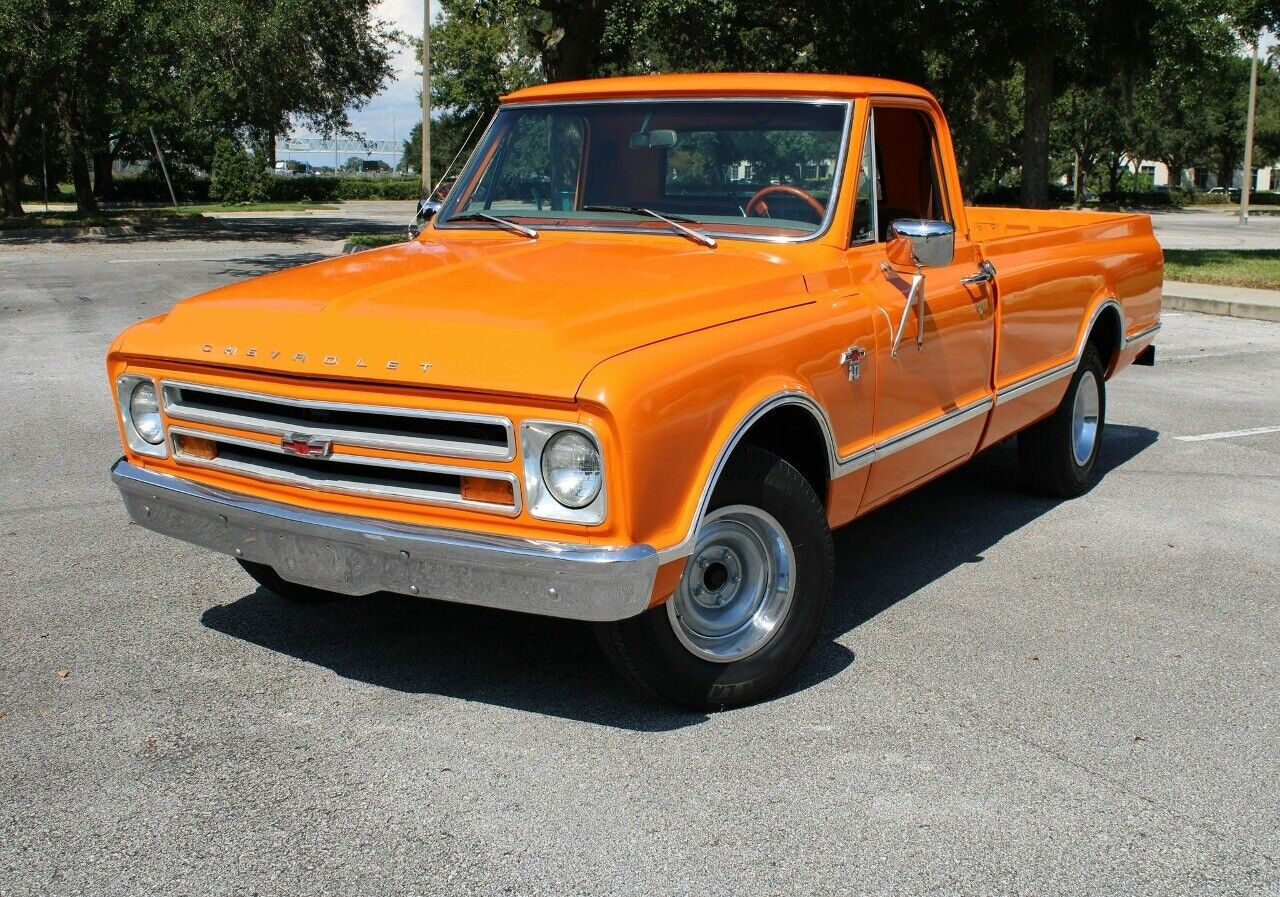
[920, 243]
[427, 209]
[916, 243]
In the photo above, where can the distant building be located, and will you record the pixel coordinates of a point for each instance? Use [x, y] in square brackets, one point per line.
[1267, 178]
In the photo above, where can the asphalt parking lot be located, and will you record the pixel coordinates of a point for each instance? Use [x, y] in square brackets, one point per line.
[1012, 695]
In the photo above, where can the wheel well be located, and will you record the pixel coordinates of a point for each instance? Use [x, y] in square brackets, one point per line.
[1106, 336]
[794, 434]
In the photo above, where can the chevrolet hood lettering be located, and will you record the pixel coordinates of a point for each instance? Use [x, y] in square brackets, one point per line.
[493, 317]
[332, 361]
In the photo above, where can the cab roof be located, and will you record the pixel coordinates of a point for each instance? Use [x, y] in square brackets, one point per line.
[719, 85]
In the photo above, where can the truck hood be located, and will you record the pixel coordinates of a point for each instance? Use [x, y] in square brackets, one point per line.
[494, 316]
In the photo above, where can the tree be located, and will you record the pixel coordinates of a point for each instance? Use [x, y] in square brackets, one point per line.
[24, 68]
[266, 65]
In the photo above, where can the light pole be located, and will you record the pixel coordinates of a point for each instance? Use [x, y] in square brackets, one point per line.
[426, 99]
[1245, 185]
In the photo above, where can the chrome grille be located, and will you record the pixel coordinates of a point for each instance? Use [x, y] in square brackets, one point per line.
[340, 472]
[440, 433]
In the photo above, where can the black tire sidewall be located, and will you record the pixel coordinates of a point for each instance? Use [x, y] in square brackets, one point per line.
[266, 576]
[764, 481]
[1082, 474]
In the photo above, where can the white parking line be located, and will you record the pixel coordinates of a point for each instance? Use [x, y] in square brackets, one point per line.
[1197, 356]
[1228, 434]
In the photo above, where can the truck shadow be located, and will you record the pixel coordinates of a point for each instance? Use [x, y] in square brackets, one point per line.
[550, 666]
[980, 503]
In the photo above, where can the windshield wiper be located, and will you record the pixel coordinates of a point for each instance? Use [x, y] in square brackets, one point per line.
[501, 222]
[672, 221]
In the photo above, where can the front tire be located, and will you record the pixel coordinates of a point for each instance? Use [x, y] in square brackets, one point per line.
[751, 600]
[1059, 455]
[270, 580]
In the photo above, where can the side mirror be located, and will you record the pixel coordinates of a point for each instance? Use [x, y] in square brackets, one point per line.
[919, 243]
[427, 209]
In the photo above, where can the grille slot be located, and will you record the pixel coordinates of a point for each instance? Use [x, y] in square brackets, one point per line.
[342, 473]
[441, 433]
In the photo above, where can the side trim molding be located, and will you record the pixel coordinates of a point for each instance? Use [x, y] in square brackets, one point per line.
[1020, 388]
[838, 466]
[914, 436]
[1142, 334]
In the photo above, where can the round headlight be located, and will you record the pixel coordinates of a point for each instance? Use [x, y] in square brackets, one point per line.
[571, 469]
[144, 413]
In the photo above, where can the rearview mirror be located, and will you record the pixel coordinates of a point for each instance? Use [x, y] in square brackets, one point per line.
[920, 243]
[660, 139]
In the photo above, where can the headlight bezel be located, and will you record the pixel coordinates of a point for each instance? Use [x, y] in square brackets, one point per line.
[535, 436]
[125, 386]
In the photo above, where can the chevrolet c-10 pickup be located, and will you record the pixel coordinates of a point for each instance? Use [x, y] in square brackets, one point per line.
[663, 335]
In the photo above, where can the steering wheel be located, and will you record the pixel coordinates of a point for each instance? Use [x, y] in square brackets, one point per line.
[758, 207]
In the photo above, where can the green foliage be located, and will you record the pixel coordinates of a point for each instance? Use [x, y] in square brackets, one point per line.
[373, 241]
[1229, 267]
[237, 176]
[103, 75]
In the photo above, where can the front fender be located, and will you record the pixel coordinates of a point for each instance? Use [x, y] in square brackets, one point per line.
[676, 410]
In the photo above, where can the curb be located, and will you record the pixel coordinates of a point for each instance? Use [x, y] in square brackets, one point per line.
[1230, 308]
[60, 232]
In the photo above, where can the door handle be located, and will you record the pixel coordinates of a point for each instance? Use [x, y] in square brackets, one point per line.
[986, 274]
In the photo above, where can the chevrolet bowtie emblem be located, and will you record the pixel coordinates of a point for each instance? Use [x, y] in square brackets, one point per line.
[305, 446]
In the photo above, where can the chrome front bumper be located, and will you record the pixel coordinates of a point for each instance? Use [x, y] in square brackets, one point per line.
[357, 556]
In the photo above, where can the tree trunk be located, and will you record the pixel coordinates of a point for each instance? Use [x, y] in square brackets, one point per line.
[571, 45]
[1035, 130]
[1226, 164]
[103, 178]
[79, 157]
[10, 204]
[12, 119]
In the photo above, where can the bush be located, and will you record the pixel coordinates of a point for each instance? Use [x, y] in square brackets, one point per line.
[1141, 198]
[238, 177]
[336, 189]
[149, 186]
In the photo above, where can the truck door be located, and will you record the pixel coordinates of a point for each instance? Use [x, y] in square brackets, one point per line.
[934, 392]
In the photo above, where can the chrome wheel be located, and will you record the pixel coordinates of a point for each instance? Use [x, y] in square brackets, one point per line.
[1084, 418]
[738, 585]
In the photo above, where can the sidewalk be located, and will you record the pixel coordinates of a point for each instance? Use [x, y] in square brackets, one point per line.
[1237, 302]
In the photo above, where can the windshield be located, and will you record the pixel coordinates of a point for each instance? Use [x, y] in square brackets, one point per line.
[751, 168]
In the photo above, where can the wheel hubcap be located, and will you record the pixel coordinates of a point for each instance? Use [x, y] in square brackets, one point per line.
[1085, 417]
[737, 587]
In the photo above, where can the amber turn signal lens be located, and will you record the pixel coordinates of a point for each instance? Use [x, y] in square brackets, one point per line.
[194, 447]
[489, 491]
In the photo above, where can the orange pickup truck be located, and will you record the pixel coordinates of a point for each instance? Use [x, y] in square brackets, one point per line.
[663, 335]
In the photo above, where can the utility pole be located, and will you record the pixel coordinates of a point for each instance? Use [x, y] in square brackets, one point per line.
[1246, 184]
[44, 162]
[426, 99]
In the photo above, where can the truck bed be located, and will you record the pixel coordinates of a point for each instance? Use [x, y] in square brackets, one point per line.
[1053, 270]
[988, 223]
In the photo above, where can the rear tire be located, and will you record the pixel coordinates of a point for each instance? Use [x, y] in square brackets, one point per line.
[752, 598]
[1059, 455]
[267, 577]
